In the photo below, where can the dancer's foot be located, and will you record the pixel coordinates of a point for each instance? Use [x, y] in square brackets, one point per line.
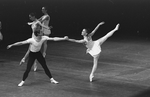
[117, 26]
[54, 81]
[35, 66]
[21, 83]
[91, 78]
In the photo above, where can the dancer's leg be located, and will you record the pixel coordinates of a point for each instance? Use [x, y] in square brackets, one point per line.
[95, 62]
[42, 61]
[44, 54]
[29, 65]
[109, 34]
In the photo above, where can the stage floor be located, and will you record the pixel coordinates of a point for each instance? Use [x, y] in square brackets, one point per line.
[123, 71]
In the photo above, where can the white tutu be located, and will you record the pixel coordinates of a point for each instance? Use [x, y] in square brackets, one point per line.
[96, 49]
[46, 31]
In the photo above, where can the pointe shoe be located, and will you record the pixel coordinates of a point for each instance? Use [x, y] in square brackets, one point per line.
[117, 27]
[54, 81]
[91, 78]
[21, 83]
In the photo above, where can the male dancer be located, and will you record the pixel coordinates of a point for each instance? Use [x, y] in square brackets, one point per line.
[35, 53]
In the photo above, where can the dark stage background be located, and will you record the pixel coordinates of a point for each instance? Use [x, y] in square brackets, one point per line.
[69, 17]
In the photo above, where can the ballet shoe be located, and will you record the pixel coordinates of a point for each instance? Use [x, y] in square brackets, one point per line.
[21, 83]
[91, 78]
[54, 81]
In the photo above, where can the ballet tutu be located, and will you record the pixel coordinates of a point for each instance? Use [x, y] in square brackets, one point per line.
[46, 31]
[95, 50]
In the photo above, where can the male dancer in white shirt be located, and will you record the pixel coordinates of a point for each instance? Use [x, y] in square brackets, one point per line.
[35, 53]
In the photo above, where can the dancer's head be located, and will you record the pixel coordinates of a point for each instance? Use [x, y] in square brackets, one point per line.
[32, 16]
[38, 32]
[84, 32]
[44, 10]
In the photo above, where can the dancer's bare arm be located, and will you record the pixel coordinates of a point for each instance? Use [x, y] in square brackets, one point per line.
[92, 33]
[38, 22]
[46, 27]
[17, 44]
[47, 17]
[77, 41]
[58, 38]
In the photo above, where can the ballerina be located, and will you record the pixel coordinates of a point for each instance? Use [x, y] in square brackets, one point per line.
[94, 47]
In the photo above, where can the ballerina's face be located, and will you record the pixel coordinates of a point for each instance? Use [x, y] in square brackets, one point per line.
[84, 32]
[44, 10]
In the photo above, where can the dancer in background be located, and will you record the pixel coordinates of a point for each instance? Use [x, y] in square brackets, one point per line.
[34, 28]
[35, 53]
[1, 36]
[94, 47]
[45, 19]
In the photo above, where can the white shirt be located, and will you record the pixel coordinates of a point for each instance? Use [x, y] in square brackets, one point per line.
[35, 46]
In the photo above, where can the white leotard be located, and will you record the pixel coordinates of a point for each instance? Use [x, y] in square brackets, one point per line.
[96, 49]
[46, 19]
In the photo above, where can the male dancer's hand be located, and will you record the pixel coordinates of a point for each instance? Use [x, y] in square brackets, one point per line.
[22, 61]
[9, 46]
[101, 23]
[44, 54]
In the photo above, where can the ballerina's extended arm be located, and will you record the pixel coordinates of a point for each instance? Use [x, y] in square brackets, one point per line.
[77, 41]
[92, 33]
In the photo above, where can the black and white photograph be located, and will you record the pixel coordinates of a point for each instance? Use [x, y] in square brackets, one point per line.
[74, 48]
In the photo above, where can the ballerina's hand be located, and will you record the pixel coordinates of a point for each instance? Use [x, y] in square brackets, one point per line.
[30, 23]
[101, 23]
[66, 38]
[9, 46]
